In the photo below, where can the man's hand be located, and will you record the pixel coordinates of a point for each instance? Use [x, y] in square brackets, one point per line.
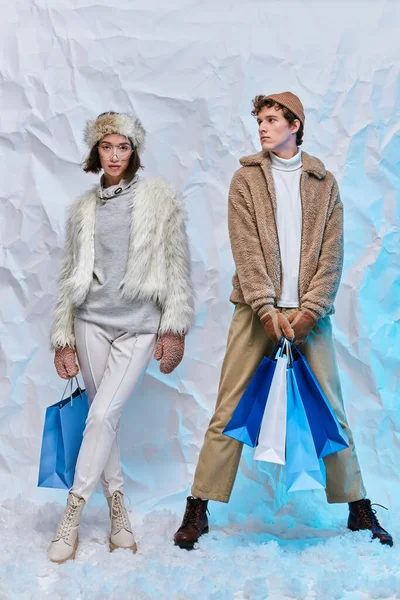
[276, 325]
[65, 362]
[302, 323]
[170, 349]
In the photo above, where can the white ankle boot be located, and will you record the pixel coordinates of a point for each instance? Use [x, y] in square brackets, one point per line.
[121, 530]
[65, 544]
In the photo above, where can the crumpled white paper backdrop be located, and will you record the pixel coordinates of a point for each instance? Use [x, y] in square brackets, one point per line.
[189, 70]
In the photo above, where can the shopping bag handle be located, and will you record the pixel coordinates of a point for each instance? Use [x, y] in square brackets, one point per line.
[284, 344]
[280, 342]
[296, 349]
[70, 383]
[289, 346]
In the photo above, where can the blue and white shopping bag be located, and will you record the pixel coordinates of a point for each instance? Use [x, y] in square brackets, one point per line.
[62, 437]
[304, 470]
[245, 422]
[328, 434]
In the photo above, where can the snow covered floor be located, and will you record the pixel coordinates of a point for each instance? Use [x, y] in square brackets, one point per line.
[246, 559]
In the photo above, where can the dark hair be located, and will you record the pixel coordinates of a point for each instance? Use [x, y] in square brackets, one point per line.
[92, 163]
[260, 101]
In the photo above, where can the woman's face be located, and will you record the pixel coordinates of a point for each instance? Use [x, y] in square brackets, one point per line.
[114, 153]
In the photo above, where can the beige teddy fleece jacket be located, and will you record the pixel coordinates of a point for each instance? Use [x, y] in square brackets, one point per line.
[255, 244]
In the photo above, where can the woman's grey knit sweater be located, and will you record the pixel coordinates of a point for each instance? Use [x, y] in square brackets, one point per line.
[104, 304]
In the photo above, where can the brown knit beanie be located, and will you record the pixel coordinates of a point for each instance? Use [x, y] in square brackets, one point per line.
[290, 101]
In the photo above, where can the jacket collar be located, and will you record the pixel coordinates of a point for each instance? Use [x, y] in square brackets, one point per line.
[123, 187]
[311, 164]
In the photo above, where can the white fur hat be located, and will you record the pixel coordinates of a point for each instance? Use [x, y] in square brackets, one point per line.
[112, 122]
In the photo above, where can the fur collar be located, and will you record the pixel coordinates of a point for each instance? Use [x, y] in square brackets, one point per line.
[153, 201]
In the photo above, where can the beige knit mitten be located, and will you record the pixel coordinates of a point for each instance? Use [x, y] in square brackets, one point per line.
[170, 349]
[65, 362]
[276, 325]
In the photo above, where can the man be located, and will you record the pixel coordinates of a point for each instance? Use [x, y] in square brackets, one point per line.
[286, 232]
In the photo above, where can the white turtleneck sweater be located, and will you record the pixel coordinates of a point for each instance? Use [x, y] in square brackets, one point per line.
[286, 174]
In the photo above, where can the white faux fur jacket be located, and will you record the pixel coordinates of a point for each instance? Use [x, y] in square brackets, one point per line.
[158, 265]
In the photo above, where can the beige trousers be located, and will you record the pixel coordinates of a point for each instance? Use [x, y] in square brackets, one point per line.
[247, 345]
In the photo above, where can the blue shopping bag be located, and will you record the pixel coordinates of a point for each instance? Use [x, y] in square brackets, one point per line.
[62, 437]
[245, 422]
[328, 434]
[304, 470]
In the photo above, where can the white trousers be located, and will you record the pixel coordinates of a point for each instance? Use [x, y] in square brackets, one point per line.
[112, 363]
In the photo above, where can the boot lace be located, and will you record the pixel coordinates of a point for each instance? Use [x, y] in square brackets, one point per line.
[68, 518]
[119, 514]
[368, 514]
[194, 512]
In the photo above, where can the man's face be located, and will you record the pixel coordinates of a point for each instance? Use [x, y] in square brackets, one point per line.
[275, 132]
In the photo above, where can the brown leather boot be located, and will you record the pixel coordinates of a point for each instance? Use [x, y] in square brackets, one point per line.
[194, 524]
[363, 516]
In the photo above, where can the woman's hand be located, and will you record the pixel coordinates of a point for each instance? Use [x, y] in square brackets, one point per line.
[170, 349]
[65, 362]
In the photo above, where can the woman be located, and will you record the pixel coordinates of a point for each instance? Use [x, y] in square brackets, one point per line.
[124, 291]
